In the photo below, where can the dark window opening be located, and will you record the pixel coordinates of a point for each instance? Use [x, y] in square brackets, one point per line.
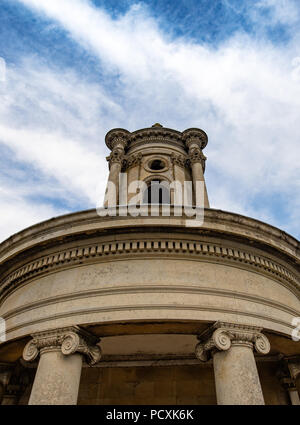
[157, 164]
[157, 193]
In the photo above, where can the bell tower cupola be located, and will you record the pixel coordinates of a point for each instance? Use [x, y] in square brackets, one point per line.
[157, 155]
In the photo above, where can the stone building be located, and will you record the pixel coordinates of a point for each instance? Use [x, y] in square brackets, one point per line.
[149, 309]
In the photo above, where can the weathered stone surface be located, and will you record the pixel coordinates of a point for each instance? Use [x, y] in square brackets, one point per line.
[57, 379]
[236, 377]
[58, 374]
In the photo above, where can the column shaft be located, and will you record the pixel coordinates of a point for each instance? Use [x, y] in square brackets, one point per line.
[298, 383]
[57, 378]
[115, 170]
[294, 397]
[236, 377]
[198, 175]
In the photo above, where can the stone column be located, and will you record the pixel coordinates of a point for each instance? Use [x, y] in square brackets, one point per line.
[118, 140]
[231, 346]
[61, 353]
[287, 381]
[294, 368]
[133, 169]
[195, 141]
[294, 396]
[290, 387]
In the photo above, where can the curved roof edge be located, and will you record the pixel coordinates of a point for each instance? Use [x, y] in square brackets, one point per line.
[88, 221]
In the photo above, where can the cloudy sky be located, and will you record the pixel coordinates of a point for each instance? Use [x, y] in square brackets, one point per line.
[70, 70]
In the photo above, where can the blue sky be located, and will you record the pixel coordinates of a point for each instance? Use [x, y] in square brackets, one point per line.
[70, 70]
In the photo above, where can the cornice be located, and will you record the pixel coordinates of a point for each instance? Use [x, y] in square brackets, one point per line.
[156, 134]
[189, 249]
[160, 135]
[88, 222]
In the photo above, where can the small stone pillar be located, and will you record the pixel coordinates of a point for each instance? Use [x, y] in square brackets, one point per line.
[290, 387]
[287, 381]
[294, 368]
[231, 346]
[195, 141]
[58, 374]
[117, 140]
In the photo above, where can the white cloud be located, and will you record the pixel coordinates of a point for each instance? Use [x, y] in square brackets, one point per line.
[281, 11]
[73, 165]
[17, 213]
[2, 70]
[243, 94]
[56, 122]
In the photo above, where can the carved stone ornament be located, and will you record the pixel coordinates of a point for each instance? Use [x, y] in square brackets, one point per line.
[117, 137]
[69, 340]
[196, 155]
[195, 136]
[133, 160]
[117, 155]
[179, 160]
[221, 336]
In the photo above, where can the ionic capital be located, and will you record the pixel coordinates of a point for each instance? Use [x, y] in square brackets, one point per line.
[69, 340]
[221, 336]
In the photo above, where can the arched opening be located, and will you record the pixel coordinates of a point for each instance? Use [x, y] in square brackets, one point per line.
[157, 192]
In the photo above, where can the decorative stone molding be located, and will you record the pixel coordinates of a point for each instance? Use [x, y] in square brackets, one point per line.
[221, 336]
[132, 161]
[69, 340]
[157, 135]
[195, 141]
[216, 221]
[116, 156]
[117, 141]
[179, 160]
[117, 137]
[196, 155]
[195, 136]
[193, 249]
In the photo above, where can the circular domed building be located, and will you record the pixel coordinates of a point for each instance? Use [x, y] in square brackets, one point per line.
[144, 303]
